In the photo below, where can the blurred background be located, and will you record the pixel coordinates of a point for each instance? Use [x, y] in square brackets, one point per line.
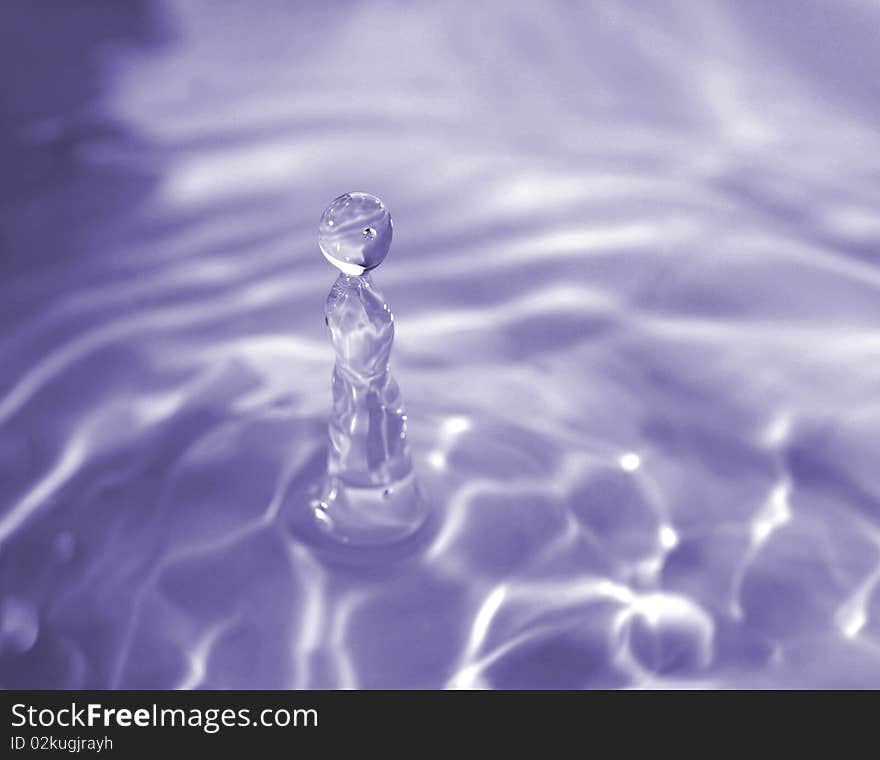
[638, 333]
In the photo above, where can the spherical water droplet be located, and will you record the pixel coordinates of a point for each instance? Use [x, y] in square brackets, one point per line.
[355, 233]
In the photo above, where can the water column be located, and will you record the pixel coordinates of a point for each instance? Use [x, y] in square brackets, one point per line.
[370, 494]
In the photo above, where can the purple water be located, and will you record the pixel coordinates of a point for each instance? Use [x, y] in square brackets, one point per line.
[636, 288]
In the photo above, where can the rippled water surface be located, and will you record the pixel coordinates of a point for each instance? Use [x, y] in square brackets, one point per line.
[638, 333]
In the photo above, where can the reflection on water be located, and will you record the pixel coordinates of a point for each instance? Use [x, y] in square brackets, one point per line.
[636, 285]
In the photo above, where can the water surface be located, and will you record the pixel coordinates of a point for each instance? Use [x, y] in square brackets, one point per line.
[638, 333]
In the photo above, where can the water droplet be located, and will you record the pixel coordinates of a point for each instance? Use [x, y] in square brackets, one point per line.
[355, 233]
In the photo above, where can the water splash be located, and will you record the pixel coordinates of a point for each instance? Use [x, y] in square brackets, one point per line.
[638, 334]
[370, 495]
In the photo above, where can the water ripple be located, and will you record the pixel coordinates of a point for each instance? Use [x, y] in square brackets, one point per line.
[636, 286]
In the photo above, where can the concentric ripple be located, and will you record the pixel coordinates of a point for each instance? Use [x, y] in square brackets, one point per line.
[638, 320]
